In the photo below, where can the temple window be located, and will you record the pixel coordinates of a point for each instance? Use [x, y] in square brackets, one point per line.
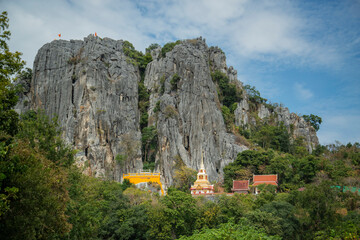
[200, 177]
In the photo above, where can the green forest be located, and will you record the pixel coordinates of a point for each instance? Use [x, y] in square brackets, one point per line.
[44, 195]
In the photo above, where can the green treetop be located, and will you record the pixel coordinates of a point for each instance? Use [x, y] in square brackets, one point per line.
[10, 64]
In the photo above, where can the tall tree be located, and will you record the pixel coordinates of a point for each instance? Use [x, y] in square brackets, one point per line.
[314, 120]
[10, 64]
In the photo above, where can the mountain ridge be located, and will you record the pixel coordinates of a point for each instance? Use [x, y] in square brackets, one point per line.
[94, 87]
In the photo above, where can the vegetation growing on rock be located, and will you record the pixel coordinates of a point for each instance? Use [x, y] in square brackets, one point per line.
[44, 195]
[168, 47]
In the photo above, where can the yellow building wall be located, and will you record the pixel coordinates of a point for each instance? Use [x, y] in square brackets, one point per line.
[136, 178]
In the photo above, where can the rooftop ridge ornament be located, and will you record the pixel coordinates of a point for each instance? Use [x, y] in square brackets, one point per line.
[202, 160]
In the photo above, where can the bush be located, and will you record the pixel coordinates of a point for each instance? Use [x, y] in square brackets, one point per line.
[228, 117]
[168, 47]
[149, 144]
[228, 92]
[152, 47]
[174, 81]
[137, 58]
[157, 107]
[162, 83]
[244, 230]
[254, 95]
[26, 74]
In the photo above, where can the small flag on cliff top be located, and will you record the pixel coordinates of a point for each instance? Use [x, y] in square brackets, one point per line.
[59, 34]
[95, 34]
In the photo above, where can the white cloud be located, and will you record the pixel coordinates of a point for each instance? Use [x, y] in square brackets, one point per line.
[258, 36]
[262, 30]
[302, 92]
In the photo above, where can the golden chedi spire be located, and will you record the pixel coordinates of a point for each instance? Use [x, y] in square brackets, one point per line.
[202, 184]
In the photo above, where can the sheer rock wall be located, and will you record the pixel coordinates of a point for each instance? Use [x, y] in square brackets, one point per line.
[190, 119]
[93, 89]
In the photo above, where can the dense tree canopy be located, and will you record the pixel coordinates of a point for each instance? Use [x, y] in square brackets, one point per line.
[10, 64]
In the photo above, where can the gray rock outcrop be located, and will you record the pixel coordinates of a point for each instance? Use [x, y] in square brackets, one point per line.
[296, 125]
[190, 119]
[24, 95]
[92, 87]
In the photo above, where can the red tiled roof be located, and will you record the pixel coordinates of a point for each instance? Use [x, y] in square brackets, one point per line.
[241, 185]
[265, 178]
[263, 182]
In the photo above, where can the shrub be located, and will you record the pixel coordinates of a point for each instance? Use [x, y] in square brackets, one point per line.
[170, 111]
[137, 58]
[26, 74]
[162, 83]
[228, 117]
[228, 92]
[74, 78]
[144, 120]
[168, 47]
[149, 144]
[157, 107]
[152, 47]
[174, 81]
[254, 95]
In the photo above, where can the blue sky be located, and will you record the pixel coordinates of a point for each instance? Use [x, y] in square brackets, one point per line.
[304, 54]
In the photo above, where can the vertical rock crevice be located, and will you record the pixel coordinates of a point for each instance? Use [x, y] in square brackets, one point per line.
[78, 81]
[94, 87]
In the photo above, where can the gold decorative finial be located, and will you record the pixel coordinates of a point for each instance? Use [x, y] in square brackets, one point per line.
[202, 160]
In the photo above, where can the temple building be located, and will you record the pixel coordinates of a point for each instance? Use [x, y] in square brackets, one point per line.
[264, 179]
[240, 186]
[202, 184]
[144, 177]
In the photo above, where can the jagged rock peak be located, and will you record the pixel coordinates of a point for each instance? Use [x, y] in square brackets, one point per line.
[190, 119]
[93, 88]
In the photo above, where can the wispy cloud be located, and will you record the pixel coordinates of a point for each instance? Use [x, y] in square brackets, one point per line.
[302, 92]
[276, 31]
[260, 37]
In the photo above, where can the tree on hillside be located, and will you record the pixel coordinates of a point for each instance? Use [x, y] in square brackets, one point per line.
[184, 176]
[37, 209]
[314, 120]
[10, 64]
[254, 95]
[33, 177]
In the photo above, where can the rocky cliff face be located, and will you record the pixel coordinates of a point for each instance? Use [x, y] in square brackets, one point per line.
[190, 119]
[296, 125]
[92, 86]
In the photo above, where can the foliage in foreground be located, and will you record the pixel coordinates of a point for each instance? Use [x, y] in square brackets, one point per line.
[33, 169]
[44, 196]
[231, 231]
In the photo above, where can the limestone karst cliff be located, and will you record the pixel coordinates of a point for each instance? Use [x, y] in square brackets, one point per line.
[190, 119]
[92, 86]
[296, 125]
